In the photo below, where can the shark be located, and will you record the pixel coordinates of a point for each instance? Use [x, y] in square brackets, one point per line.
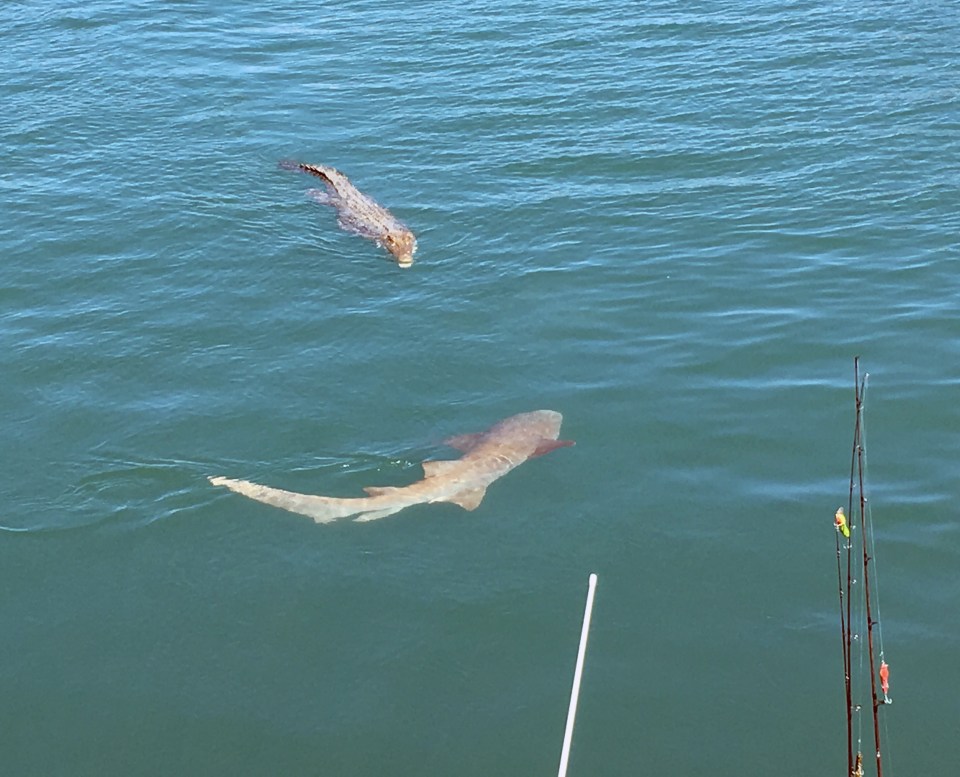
[487, 456]
[358, 213]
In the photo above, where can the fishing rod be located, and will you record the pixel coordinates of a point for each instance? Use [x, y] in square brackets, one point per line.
[866, 594]
[577, 677]
[857, 478]
[840, 521]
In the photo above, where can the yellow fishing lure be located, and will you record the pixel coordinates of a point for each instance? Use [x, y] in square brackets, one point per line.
[840, 521]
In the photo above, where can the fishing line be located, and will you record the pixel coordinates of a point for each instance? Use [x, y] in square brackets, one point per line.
[862, 618]
[861, 670]
[861, 674]
[870, 536]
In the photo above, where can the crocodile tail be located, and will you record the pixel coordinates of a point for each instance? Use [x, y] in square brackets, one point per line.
[303, 167]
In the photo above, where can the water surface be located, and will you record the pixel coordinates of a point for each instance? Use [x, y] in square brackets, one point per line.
[676, 224]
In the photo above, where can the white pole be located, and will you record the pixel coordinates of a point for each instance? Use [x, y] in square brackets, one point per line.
[577, 675]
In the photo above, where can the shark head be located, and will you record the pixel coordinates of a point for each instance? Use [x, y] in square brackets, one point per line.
[539, 424]
[539, 429]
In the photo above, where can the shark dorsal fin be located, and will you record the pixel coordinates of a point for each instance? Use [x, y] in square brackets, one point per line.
[468, 500]
[434, 469]
[464, 442]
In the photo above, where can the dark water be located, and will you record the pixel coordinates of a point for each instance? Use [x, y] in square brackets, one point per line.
[674, 223]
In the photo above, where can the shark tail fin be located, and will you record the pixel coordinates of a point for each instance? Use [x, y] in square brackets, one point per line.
[374, 515]
[322, 509]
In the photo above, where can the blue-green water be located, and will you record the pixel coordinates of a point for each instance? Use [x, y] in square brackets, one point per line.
[674, 223]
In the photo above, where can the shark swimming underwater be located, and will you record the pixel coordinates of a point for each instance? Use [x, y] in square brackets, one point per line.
[358, 213]
[487, 457]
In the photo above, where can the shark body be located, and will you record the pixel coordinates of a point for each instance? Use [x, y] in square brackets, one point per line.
[487, 457]
[358, 213]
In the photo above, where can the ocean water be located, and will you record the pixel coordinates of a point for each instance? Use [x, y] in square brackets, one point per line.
[675, 223]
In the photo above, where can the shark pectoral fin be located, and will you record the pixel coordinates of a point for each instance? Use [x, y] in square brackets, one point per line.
[464, 442]
[545, 446]
[468, 500]
[433, 469]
